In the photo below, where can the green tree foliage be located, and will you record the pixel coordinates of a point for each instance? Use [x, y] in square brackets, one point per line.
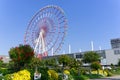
[21, 55]
[75, 63]
[64, 59]
[90, 57]
[119, 62]
[50, 62]
[35, 62]
[1, 62]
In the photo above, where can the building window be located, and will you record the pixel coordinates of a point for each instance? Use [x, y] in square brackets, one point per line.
[79, 56]
[116, 52]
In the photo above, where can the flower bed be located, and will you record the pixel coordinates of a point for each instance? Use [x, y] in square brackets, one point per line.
[21, 75]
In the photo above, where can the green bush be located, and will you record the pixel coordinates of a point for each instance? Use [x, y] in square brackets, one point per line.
[70, 77]
[83, 71]
[60, 77]
[8, 77]
[73, 72]
[81, 77]
[42, 70]
[119, 62]
[108, 72]
[95, 65]
[4, 71]
[1, 77]
[31, 72]
[116, 71]
[44, 74]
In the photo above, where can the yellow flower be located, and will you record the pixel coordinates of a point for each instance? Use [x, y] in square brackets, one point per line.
[101, 72]
[53, 74]
[21, 75]
[66, 72]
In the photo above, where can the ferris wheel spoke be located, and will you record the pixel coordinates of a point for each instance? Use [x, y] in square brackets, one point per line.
[60, 17]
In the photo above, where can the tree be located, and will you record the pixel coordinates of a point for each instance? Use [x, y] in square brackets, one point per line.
[64, 59]
[21, 55]
[35, 62]
[50, 62]
[90, 57]
[75, 63]
[119, 62]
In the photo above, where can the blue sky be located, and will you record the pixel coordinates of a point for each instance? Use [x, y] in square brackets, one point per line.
[88, 20]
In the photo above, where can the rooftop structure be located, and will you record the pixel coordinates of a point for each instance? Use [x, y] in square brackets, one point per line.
[115, 43]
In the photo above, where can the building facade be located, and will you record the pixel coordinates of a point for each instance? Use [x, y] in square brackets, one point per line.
[108, 57]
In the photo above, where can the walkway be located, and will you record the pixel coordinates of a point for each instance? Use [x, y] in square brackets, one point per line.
[109, 78]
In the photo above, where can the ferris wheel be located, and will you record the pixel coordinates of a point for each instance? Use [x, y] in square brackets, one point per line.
[46, 30]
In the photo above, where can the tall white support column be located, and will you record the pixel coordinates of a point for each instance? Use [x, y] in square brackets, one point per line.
[92, 46]
[69, 48]
[80, 50]
[100, 48]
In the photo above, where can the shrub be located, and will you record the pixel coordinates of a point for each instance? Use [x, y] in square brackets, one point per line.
[70, 77]
[4, 71]
[8, 77]
[32, 73]
[119, 62]
[83, 71]
[108, 72]
[44, 73]
[73, 72]
[95, 65]
[1, 77]
[42, 70]
[60, 77]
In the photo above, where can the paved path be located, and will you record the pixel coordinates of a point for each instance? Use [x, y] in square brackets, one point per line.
[109, 78]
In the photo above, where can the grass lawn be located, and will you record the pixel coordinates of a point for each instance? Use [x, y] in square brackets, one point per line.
[94, 76]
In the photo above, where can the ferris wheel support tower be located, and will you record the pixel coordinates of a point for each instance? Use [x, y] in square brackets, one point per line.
[40, 43]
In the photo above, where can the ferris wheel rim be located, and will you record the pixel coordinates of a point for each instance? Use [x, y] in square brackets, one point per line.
[65, 26]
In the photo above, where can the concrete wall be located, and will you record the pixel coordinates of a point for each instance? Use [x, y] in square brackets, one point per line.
[111, 57]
